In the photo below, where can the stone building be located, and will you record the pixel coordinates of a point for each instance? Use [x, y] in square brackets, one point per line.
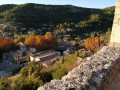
[45, 56]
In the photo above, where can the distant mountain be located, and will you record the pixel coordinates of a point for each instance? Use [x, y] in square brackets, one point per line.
[5, 7]
[34, 15]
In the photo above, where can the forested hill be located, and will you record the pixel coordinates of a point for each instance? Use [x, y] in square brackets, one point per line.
[34, 15]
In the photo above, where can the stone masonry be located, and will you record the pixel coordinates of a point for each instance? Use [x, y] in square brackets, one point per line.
[115, 36]
[90, 74]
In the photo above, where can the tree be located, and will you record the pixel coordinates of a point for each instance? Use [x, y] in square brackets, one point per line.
[95, 18]
[93, 44]
[59, 73]
[77, 53]
[6, 44]
[21, 38]
[75, 44]
[3, 85]
[42, 42]
[48, 34]
[30, 41]
[15, 36]
[24, 71]
[16, 28]
[16, 41]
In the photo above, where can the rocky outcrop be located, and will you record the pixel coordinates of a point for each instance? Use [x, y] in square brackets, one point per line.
[91, 74]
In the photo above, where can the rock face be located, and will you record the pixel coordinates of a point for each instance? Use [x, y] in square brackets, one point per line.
[90, 74]
[115, 36]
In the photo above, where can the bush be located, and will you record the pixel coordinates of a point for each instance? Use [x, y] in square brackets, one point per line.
[59, 73]
[82, 54]
[3, 85]
[106, 36]
[17, 70]
[24, 71]
[26, 84]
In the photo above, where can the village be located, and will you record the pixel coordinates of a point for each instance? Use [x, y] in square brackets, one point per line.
[22, 56]
[59, 45]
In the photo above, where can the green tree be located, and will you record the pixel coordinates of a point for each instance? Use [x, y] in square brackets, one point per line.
[77, 53]
[3, 85]
[59, 73]
[75, 44]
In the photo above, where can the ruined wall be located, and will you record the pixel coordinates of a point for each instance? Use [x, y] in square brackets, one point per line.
[115, 36]
[91, 74]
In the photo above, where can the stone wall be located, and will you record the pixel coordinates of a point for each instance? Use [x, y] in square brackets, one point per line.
[115, 36]
[94, 73]
[106, 82]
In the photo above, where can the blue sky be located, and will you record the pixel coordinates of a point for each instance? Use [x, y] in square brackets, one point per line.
[80, 3]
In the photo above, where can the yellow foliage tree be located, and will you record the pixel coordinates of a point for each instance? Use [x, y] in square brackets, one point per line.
[93, 44]
[5, 43]
[42, 42]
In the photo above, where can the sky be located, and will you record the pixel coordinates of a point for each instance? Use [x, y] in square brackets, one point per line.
[80, 3]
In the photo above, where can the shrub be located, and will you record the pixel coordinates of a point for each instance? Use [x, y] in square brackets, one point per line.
[3, 85]
[17, 70]
[59, 73]
[106, 36]
[77, 53]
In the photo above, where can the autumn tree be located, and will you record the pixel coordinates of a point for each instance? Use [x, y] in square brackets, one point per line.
[42, 42]
[75, 43]
[93, 44]
[6, 43]
[30, 41]
[16, 41]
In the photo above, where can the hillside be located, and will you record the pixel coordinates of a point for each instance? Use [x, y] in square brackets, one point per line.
[34, 15]
[4, 8]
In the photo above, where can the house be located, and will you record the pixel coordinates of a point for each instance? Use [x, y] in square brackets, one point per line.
[48, 63]
[49, 29]
[16, 56]
[69, 29]
[22, 46]
[11, 56]
[86, 34]
[5, 34]
[23, 29]
[39, 30]
[43, 28]
[33, 31]
[51, 25]
[65, 38]
[6, 27]
[45, 56]
[6, 57]
[76, 26]
[44, 24]
[32, 49]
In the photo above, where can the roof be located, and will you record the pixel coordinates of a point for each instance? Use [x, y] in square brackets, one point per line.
[51, 57]
[40, 54]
